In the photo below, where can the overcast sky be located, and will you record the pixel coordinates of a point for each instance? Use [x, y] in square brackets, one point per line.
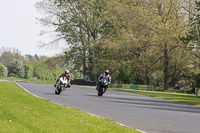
[19, 28]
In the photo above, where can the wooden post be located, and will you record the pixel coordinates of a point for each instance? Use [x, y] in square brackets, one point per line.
[196, 91]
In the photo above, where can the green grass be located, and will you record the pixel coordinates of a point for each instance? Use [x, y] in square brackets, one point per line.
[32, 80]
[20, 112]
[179, 97]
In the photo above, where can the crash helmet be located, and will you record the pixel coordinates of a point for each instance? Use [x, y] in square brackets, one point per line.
[66, 71]
[107, 72]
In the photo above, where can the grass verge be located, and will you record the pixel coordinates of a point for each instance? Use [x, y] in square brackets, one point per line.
[179, 97]
[31, 80]
[20, 112]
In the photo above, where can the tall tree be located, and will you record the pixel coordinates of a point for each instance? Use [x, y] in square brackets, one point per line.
[194, 34]
[137, 40]
[9, 55]
[80, 23]
[150, 31]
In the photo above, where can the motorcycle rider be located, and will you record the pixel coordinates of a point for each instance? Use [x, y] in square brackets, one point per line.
[108, 78]
[68, 77]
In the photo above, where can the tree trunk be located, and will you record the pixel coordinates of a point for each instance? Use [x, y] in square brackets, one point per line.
[147, 79]
[166, 66]
[84, 61]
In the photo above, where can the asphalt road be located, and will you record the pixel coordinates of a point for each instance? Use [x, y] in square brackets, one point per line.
[148, 114]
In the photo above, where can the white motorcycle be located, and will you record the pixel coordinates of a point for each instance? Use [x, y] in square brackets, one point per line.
[61, 85]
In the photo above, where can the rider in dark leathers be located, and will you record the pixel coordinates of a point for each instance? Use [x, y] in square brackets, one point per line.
[108, 78]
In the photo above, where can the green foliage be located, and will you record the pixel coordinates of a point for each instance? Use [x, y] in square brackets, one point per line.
[124, 74]
[41, 71]
[81, 25]
[6, 57]
[138, 41]
[194, 33]
[3, 71]
[34, 58]
[33, 67]
[145, 37]
[16, 69]
[197, 81]
[28, 70]
[10, 55]
[48, 69]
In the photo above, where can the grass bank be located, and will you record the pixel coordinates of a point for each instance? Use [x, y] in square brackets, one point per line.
[179, 97]
[31, 80]
[21, 112]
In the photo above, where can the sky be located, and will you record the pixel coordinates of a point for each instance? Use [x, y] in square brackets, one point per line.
[20, 29]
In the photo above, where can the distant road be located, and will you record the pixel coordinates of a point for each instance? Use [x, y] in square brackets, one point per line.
[148, 114]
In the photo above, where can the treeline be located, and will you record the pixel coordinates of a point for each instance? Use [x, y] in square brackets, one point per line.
[13, 64]
[142, 42]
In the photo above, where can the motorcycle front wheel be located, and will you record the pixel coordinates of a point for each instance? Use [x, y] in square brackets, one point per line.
[59, 89]
[100, 91]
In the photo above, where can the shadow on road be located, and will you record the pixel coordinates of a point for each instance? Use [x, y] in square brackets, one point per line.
[50, 93]
[155, 104]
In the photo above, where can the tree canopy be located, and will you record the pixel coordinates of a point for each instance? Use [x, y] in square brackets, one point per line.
[140, 42]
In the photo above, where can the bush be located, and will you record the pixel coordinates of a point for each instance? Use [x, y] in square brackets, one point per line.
[3, 71]
[16, 69]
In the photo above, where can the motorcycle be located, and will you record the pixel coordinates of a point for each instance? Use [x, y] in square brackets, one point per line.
[101, 88]
[61, 85]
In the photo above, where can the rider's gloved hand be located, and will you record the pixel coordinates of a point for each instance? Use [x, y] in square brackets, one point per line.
[65, 86]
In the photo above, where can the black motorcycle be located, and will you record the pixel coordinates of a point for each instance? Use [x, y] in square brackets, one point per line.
[61, 85]
[102, 86]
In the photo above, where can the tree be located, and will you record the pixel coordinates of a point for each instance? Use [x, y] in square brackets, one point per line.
[36, 57]
[9, 55]
[147, 34]
[81, 24]
[138, 41]
[28, 70]
[6, 58]
[16, 69]
[194, 34]
[29, 57]
[3, 71]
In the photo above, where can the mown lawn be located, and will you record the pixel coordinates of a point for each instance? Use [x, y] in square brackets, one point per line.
[21, 112]
[31, 80]
[179, 97]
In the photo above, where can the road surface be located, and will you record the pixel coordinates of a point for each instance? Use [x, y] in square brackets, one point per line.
[144, 113]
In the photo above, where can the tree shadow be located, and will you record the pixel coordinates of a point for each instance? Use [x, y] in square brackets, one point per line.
[50, 93]
[155, 104]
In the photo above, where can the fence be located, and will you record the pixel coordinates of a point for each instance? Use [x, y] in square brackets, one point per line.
[132, 86]
[125, 86]
[83, 82]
